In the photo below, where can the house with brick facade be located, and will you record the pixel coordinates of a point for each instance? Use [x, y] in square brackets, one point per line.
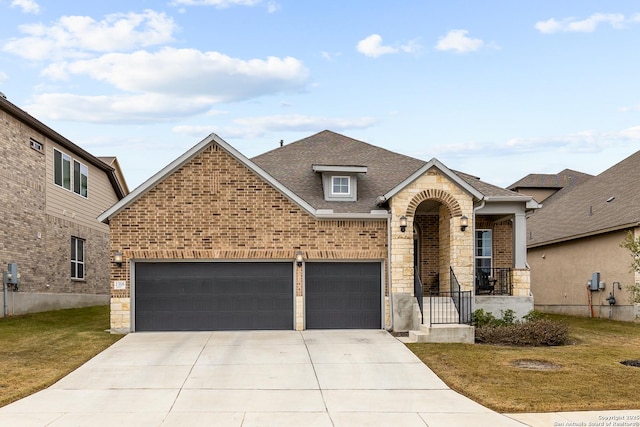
[577, 264]
[51, 193]
[325, 232]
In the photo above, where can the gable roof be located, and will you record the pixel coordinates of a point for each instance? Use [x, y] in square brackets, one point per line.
[607, 202]
[290, 170]
[54, 136]
[113, 162]
[563, 179]
[185, 158]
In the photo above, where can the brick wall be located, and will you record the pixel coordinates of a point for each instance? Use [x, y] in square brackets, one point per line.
[502, 240]
[40, 243]
[214, 207]
[429, 251]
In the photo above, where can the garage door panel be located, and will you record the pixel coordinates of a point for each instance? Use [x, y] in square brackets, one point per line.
[213, 296]
[343, 295]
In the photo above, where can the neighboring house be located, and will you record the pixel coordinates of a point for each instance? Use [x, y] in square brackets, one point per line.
[542, 186]
[580, 234]
[325, 232]
[51, 193]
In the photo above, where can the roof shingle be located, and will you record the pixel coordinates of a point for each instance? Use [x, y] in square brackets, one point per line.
[605, 202]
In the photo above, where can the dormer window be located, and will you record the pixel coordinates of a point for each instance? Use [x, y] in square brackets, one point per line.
[340, 183]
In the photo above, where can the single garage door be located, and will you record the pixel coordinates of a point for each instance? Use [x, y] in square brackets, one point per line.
[343, 295]
[202, 296]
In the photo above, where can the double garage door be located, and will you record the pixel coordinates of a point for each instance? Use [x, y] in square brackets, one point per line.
[205, 296]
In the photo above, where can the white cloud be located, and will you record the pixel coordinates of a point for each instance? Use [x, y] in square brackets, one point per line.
[76, 36]
[271, 5]
[587, 141]
[629, 109]
[166, 85]
[190, 72]
[457, 40]
[372, 46]
[253, 127]
[588, 25]
[27, 6]
[298, 122]
[3, 77]
[144, 108]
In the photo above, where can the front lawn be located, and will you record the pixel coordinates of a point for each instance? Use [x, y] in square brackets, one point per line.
[36, 350]
[585, 375]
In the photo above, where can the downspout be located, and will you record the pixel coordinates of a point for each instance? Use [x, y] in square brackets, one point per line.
[389, 283]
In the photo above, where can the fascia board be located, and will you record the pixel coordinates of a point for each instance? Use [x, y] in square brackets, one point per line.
[445, 170]
[264, 175]
[365, 216]
[156, 178]
[349, 169]
[582, 235]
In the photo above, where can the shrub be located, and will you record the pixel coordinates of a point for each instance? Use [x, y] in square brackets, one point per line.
[533, 330]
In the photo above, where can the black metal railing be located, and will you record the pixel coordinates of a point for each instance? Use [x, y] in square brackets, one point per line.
[452, 307]
[493, 281]
[418, 292]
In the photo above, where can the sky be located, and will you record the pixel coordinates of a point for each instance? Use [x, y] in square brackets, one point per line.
[494, 88]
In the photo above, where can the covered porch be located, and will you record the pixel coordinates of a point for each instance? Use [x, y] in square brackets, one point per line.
[454, 241]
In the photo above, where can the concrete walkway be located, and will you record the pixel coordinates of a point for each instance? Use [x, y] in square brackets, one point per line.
[288, 378]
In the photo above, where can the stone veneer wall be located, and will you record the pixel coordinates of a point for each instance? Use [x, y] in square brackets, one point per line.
[456, 246]
[214, 208]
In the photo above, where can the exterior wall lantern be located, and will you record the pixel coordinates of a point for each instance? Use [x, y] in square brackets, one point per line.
[117, 258]
[464, 222]
[403, 223]
[299, 258]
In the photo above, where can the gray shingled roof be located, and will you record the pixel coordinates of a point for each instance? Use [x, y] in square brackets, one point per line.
[585, 210]
[292, 166]
[566, 178]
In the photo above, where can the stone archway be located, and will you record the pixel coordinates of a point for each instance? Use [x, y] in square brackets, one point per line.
[439, 195]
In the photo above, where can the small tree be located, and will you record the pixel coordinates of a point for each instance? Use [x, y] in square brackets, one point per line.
[632, 244]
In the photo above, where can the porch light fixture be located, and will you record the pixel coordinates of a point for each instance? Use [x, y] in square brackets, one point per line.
[117, 258]
[299, 258]
[464, 222]
[403, 223]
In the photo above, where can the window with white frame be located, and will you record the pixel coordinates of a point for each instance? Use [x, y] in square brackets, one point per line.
[340, 185]
[483, 250]
[61, 169]
[73, 178]
[77, 258]
[80, 178]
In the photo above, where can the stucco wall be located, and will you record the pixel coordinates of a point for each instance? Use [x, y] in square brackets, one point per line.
[214, 207]
[559, 274]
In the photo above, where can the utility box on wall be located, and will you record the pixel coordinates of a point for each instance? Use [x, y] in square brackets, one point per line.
[594, 282]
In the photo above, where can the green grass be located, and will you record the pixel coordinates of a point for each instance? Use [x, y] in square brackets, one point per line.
[38, 349]
[590, 376]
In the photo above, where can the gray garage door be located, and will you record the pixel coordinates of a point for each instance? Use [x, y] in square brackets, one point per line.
[198, 296]
[343, 295]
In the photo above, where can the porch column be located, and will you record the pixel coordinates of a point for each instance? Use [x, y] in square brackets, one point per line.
[520, 241]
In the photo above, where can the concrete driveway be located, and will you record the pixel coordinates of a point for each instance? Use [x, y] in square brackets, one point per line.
[254, 378]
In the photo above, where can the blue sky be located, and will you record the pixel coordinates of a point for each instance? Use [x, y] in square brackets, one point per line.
[497, 89]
